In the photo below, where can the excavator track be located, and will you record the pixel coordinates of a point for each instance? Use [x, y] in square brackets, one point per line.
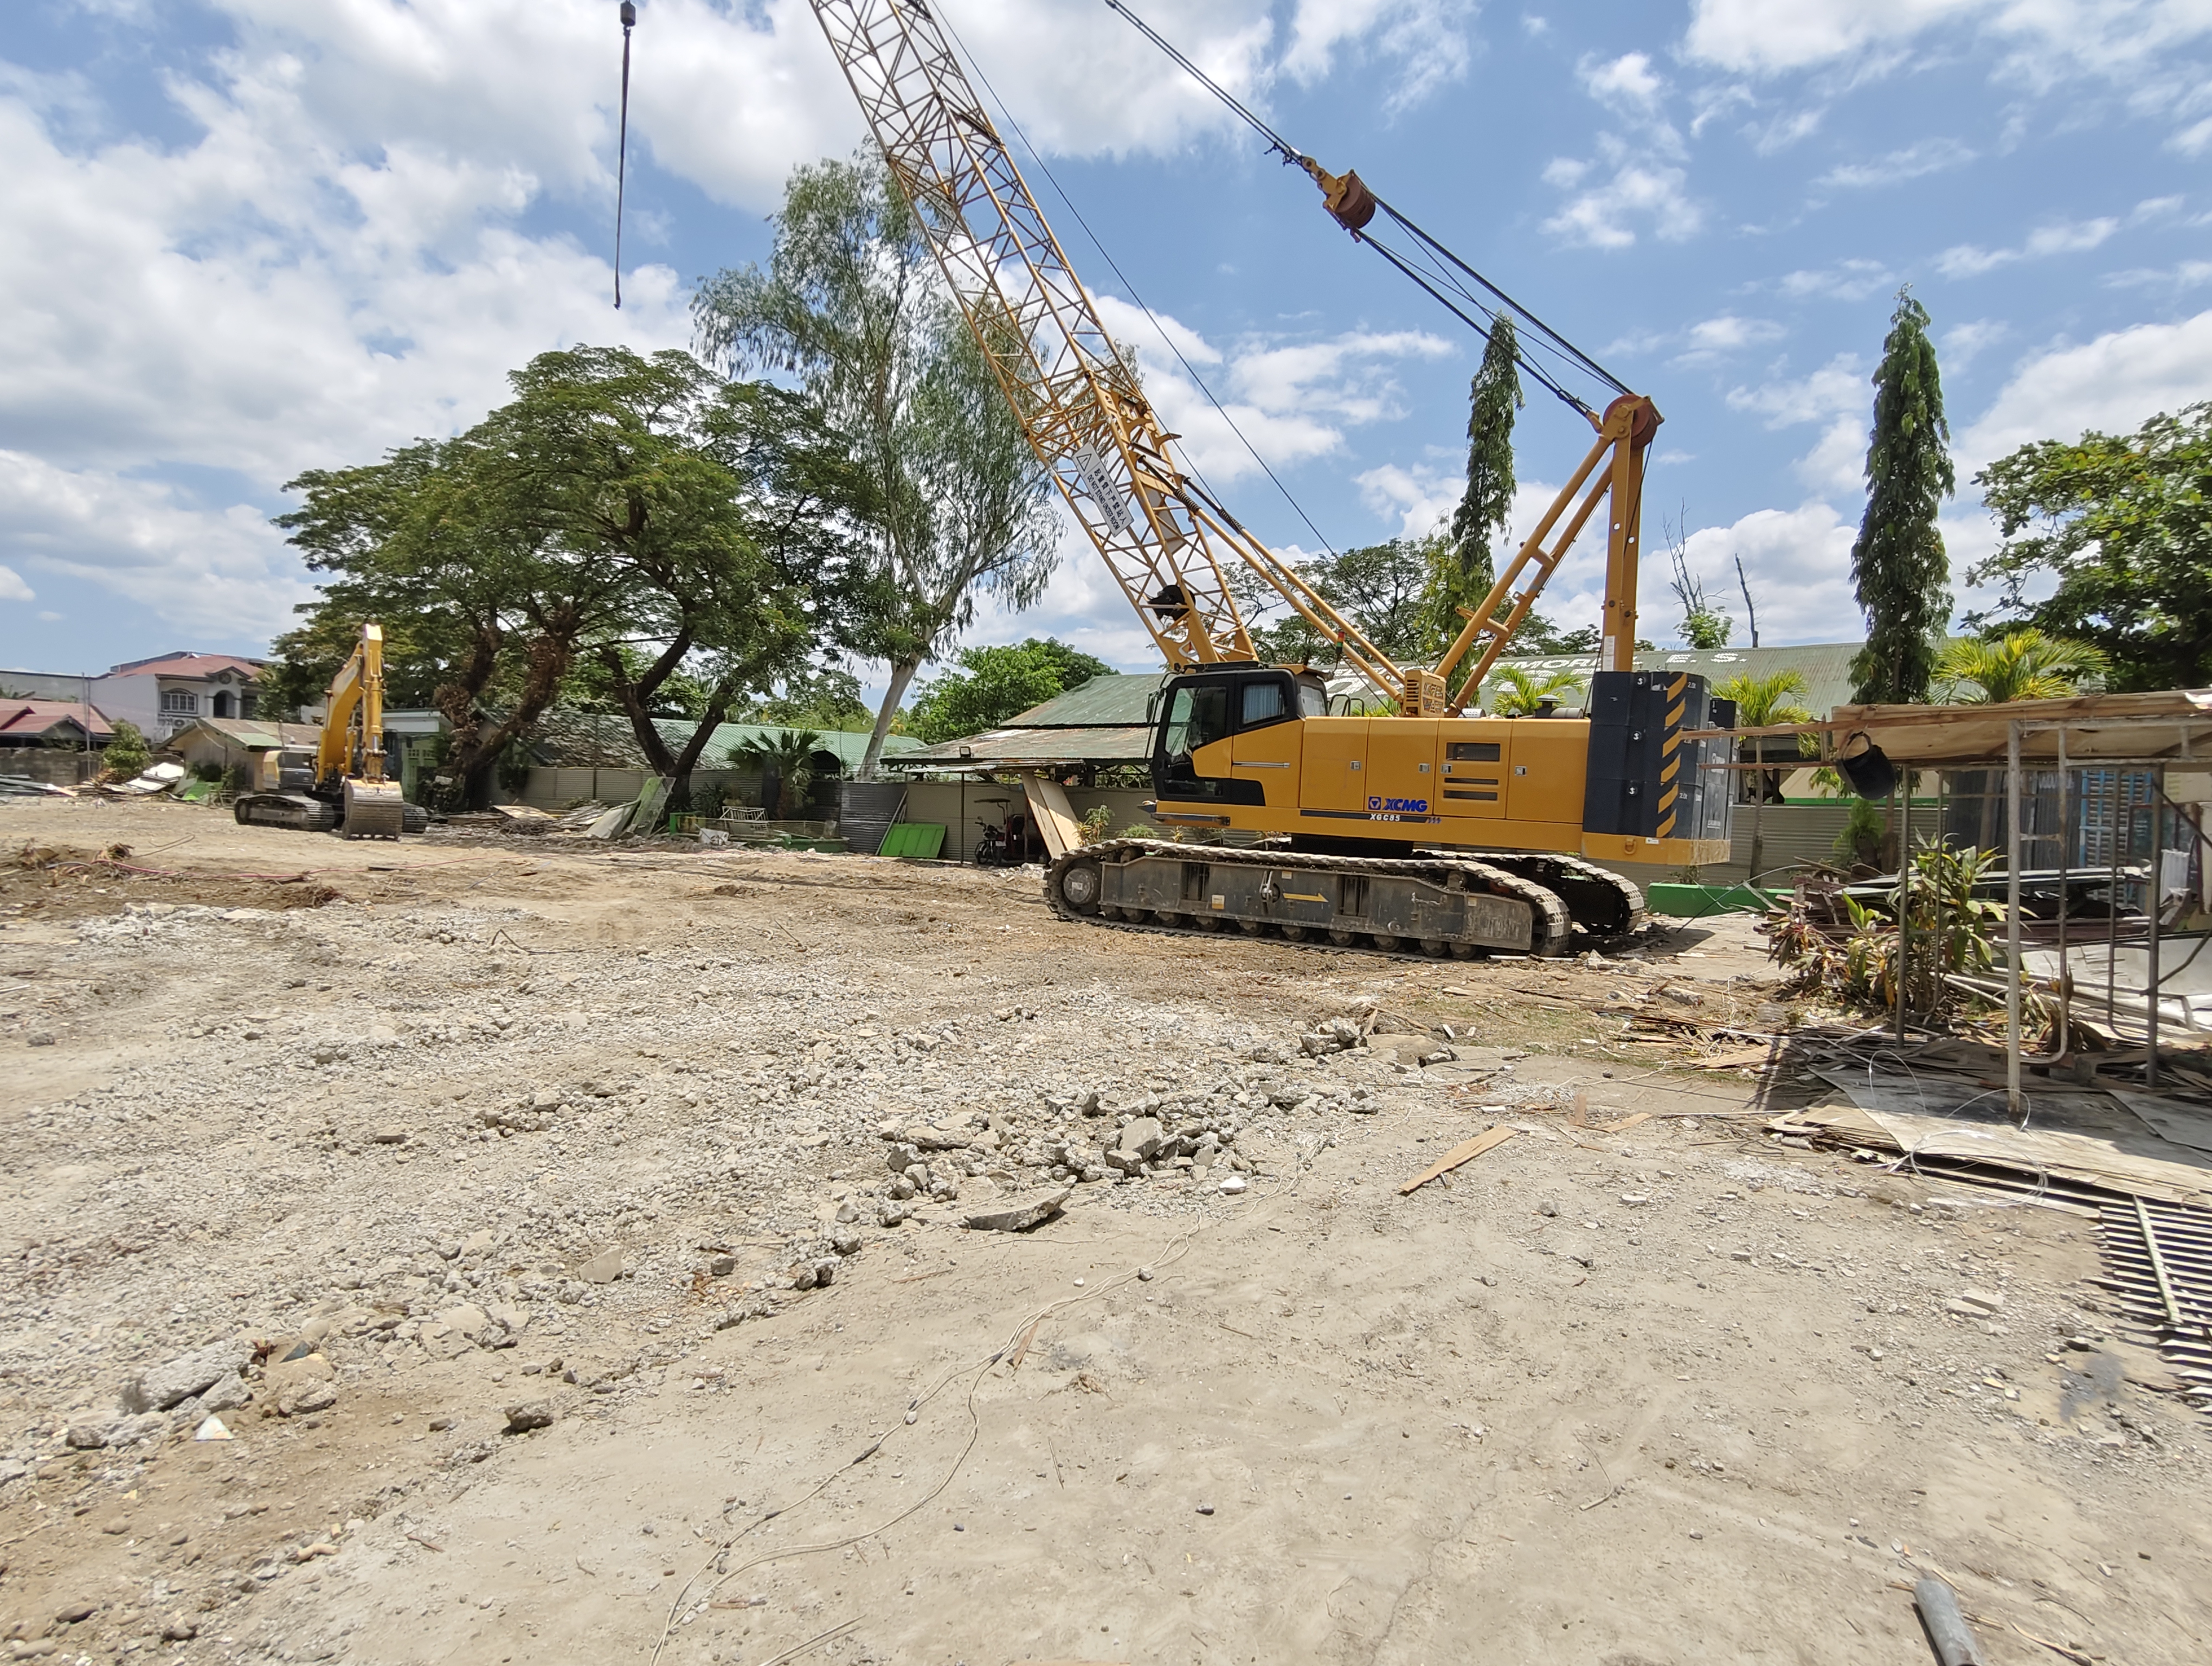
[1439, 905]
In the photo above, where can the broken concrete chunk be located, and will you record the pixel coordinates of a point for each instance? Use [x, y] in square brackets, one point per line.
[1142, 1137]
[1018, 1213]
[181, 1378]
[390, 1134]
[602, 1268]
[530, 1414]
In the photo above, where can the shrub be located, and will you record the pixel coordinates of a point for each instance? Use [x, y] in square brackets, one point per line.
[127, 753]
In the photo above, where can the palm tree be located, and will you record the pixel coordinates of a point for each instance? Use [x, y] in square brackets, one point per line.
[788, 756]
[2021, 665]
[1760, 701]
[1516, 691]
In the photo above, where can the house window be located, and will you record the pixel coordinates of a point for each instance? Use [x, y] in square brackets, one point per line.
[246, 703]
[222, 703]
[179, 700]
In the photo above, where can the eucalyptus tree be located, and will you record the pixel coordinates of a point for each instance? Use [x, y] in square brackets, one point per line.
[956, 503]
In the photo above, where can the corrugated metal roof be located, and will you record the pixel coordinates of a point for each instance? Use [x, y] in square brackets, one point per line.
[1113, 698]
[1826, 667]
[587, 740]
[253, 734]
[1029, 747]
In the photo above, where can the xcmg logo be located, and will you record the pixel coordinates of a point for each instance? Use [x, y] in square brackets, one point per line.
[1399, 806]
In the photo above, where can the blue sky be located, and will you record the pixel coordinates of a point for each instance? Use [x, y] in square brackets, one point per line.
[250, 237]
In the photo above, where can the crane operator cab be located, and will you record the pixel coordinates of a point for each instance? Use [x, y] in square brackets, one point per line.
[1254, 749]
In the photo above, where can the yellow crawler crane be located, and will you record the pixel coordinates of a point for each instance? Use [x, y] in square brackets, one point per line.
[341, 785]
[1422, 826]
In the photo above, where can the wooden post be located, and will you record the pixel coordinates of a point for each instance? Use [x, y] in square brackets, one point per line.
[1904, 902]
[2012, 918]
[2155, 899]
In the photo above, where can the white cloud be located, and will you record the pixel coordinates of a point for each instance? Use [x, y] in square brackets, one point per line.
[1421, 498]
[1727, 333]
[1852, 279]
[1627, 83]
[341, 244]
[1799, 564]
[1426, 39]
[2183, 275]
[1963, 343]
[12, 587]
[1637, 190]
[1637, 178]
[1292, 400]
[1838, 395]
[227, 573]
[2133, 46]
[2112, 384]
[1915, 161]
[2065, 237]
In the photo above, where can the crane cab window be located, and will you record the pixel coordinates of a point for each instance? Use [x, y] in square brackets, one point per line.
[1313, 699]
[1264, 702]
[1198, 717]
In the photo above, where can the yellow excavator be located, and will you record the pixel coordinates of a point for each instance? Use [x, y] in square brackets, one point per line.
[341, 783]
[1417, 826]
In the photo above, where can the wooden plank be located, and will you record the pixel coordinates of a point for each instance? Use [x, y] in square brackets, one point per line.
[1466, 1151]
[1634, 1119]
[1054, 816]
[1741, 1055]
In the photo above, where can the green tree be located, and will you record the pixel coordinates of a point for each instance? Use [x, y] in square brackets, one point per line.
[1898, 563]
[1380, 587]
[2124, 523]
[2021, 665]
[126, 753]
[1517, 691]
[602, 507]
[785, 757]
[814, 697]
[1760, 701]
[956, 505]
[994, 684]
[1463, 564]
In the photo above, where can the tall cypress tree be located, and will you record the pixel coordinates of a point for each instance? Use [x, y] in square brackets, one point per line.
[1898, 565]
[1462, 568]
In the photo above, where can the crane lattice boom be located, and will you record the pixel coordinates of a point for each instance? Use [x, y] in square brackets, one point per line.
[1077, 399]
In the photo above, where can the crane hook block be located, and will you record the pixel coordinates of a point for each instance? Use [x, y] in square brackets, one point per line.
[1344, 195]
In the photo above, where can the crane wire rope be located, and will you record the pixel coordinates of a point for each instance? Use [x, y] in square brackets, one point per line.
[622, 146]
[1442, 267]
[1150, 317]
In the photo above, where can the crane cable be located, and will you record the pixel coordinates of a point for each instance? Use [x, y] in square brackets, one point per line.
[622, 149]
[1440, 278]
[1150, 317]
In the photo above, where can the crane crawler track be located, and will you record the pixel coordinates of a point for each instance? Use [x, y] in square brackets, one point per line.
[1503, 912]
[1598, 900]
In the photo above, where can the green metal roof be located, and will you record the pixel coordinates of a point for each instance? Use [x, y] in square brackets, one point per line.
[1103, 700]
[585, 740]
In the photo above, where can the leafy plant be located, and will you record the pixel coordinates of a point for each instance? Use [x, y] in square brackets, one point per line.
[127, 753]
[1516, 691]
[1095, 823]
[2021, 665]
[1951, 933]
[1859, 841]
[788, 756]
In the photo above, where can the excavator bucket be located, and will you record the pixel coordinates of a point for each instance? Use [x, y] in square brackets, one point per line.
[373, 809]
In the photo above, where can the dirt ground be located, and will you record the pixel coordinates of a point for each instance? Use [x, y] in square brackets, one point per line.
[373, 1118]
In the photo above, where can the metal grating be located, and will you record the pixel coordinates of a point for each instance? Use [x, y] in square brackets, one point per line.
[2160, 1256]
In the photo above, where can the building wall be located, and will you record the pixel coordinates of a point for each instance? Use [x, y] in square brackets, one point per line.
[53, 767]
[957, 807]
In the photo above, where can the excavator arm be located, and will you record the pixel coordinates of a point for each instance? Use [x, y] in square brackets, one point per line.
[353, 715]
